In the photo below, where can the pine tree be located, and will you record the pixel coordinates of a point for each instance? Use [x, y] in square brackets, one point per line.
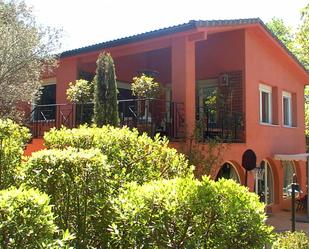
[105, 92]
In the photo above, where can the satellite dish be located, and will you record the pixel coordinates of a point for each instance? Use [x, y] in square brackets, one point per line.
[249, 160]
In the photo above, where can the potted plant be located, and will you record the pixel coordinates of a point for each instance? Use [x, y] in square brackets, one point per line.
[80, 93]
[145, 87]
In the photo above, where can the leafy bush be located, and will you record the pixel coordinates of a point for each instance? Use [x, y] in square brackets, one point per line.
[290, 240]
[13, 138]
[77, 183]
[187, 213]
[145, 87]
[80, 91]
[134, 157]
[26, 220]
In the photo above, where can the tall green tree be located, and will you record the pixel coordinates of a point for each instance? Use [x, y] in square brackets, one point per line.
[283, 32]
[295, 41]
[26, 51]
[302, 37]
[105, 92]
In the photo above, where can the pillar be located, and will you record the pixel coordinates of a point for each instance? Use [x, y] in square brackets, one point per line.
[66, 72]
[183, 79]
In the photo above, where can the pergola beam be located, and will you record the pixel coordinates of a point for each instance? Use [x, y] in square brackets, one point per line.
[297, 157]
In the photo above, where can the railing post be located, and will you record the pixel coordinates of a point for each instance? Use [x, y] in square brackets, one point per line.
[170, 121]
[173, 119]
[207, 119]
[222, 124]
[123, 113]
[72, 116]
[293, 206]
[36, 120]
[57, 116]
[235, 125]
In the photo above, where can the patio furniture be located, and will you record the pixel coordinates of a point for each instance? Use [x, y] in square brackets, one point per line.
[301, 203]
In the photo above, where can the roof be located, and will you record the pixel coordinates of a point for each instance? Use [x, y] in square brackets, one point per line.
[176, 29]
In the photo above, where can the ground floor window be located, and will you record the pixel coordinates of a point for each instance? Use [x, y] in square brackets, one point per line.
[228, 171]
[264, 183]
[45, 105]
[289, 176]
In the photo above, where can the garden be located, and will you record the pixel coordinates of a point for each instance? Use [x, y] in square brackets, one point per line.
[102, 186]
[107, 187]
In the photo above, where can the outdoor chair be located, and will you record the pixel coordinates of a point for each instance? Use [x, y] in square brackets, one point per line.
[301, 203]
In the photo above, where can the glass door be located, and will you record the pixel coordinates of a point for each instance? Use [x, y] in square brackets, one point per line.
[264, 183]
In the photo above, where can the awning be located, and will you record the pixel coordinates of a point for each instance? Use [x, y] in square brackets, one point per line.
[295, 157]
[298, 157]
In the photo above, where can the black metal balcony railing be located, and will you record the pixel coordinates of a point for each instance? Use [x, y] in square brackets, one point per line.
[148, 115]
[223, 124]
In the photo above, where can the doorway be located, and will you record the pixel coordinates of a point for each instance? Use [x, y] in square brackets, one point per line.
[264, 183]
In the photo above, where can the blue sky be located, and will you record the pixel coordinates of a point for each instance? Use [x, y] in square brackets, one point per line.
[92, 21]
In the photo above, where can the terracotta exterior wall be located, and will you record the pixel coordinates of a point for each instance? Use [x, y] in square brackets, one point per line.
[248, 56]
[264, 65]
[67, 72]
[221, 52]
[224, 53]
[261, 63]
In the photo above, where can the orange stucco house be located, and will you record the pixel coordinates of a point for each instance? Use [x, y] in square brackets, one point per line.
[260, 106]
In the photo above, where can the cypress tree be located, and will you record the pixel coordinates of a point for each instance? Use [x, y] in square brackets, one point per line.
[105, 92]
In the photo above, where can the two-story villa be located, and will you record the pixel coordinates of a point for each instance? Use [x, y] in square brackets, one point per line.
[260, 105]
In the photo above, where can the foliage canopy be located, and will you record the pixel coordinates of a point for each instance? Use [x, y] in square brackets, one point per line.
[13, 138]
[296, 42]
[25, 53]
[80, 91]
[27, 220]
[187, 213]
[133, 157]
[77, 182]
[105, 92]
[145, 87]
[289, 240]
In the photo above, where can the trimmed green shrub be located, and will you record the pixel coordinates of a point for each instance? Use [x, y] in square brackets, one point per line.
[80, 92]
[187, 213]
[26, 220]
[145, 87]
[105, 92]
[289, 240]
[134, 157]
[13, 138]
[77, 183]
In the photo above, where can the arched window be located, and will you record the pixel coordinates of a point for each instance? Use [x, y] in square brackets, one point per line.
[264, 183]
[228, 171]
[288, 172]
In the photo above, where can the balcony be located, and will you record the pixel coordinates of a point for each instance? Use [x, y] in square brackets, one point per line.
[222, 124]
[147, 115]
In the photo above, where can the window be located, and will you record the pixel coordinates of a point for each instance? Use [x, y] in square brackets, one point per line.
[48, 95]
[287, 108]
[207, 100]
[45, 108]
[228, 171]
[264, 186]
[288, 177]
[265, 104]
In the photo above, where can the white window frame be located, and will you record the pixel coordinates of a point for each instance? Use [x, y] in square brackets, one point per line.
[266, 89]
[288, 96]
